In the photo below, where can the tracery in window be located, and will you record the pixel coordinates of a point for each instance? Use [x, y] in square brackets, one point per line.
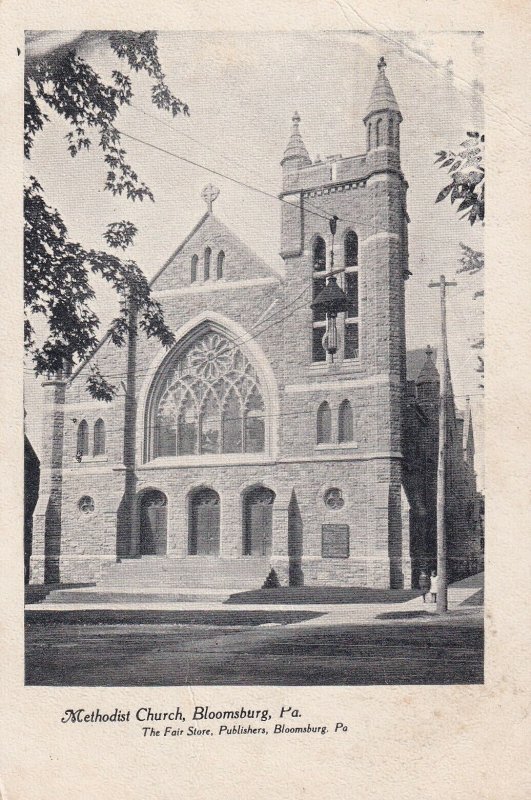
[209, 402]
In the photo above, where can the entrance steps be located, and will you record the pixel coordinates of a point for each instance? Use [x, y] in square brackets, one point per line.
[118, 597]
[162, 579]
[192, 572]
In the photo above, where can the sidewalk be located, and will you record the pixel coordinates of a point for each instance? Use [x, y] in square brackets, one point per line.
[330, 614]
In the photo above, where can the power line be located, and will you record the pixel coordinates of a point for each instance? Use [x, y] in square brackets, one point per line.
[248, 169]
[227, 177]
[197, 141]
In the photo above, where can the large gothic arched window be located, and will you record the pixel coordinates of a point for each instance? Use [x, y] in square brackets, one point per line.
[209, 401]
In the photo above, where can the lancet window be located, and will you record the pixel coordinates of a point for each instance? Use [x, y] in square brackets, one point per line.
[319, 282]
[351, 288]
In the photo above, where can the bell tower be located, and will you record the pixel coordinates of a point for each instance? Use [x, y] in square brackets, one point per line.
[365, 194]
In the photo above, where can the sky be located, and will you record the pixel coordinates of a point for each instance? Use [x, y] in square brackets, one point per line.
[242, 90]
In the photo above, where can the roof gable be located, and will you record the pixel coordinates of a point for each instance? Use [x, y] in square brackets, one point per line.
[239, 262]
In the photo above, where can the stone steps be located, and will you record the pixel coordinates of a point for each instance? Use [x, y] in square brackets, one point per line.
[193, 572]
[114, 596]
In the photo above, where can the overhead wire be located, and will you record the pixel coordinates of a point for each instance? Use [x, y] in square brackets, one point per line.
[227, 177]
[307, 207]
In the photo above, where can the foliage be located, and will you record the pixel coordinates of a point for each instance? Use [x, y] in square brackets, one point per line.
[467, 186]
[472, 262]
[468, 177]
[58, 271]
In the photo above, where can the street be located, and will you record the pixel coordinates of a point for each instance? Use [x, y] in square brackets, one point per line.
[421, 651]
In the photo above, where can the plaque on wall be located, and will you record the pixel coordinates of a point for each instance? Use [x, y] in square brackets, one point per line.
[336, 541]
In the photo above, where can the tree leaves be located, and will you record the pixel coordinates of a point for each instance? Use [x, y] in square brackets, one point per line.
[468, 177]
[444, 193]
[98, 386]
[58, 271]
[472, 261]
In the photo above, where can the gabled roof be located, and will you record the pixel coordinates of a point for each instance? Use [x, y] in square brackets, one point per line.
[241, 262]
[417, 364]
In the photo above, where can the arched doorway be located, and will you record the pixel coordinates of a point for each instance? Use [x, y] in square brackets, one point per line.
[204, 523]
[258, 522]
[153, 523]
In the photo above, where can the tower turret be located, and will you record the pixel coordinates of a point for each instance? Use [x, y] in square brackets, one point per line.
[295, 155]
[383, 116]
[428, 383]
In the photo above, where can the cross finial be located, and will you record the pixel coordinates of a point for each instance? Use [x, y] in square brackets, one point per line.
[209, 194]
[429, 351]
[382, 64]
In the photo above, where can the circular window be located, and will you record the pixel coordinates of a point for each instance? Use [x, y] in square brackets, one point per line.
[334, 499]
[86, 504]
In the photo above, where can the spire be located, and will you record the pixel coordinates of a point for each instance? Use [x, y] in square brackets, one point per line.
[429, 372]
[296, 150]
[382, 96]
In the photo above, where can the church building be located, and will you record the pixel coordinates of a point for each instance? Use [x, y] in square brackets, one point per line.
[248, 446]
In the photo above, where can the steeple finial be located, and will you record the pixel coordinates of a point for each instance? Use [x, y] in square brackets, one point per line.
[382, 96]
[209, 194]
[429, 372]
[296, 150]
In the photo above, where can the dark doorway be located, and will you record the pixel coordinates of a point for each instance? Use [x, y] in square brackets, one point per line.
[153, 523]
[204, 523]
[296, 576]
[258, 522]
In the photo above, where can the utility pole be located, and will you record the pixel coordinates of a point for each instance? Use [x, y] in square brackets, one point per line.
[442, 587]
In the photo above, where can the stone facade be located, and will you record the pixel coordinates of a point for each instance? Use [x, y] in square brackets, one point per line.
[90, 513]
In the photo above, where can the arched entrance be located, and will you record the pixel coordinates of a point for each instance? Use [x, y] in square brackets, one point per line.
[153, 523]
[258, 522]
[204, 523]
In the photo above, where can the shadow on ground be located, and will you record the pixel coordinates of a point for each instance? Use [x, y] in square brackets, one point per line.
[404, 614]
[288, 595]
[36, 593]
[104, 616]
[477, 599]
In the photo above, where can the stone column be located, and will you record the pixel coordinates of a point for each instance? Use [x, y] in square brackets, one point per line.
[231, 524]
[178, 521]
[280, 556]
[45, 559]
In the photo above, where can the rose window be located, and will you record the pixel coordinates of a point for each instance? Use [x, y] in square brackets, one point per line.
[86, 504]
[209, 401]
[334, 499]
